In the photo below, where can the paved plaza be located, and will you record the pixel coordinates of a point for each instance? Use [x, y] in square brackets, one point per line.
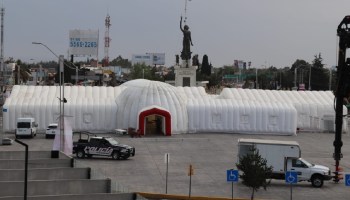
[211, 154]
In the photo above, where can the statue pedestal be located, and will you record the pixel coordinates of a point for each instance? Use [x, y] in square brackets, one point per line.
[185, 74]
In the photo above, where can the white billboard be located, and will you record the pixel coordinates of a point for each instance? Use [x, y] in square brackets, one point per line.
[148, 59]
[157, 58]
[83, 42]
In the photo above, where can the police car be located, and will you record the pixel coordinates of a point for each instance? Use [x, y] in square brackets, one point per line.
[102, 146]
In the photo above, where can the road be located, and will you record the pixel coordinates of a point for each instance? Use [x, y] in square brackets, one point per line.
[211, 154]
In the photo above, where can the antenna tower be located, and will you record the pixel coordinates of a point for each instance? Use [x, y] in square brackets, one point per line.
[107, 40]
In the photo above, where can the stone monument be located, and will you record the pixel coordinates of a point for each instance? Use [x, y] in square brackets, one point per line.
[185, 72]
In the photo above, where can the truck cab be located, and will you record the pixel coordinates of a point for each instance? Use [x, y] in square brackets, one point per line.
[285, 156]
[306, 171]
[26, 127]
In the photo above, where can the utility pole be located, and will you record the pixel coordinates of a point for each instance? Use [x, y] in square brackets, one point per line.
[2, 70]
[107, 40]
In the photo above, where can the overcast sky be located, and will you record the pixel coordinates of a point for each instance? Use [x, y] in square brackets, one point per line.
[265, 32]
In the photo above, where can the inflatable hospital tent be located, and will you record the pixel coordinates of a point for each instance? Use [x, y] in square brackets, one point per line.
[157, 107]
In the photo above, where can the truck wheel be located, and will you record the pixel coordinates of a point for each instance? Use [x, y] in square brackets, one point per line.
[32, 134]
[80, 154]
[115, 155]
[317, 181]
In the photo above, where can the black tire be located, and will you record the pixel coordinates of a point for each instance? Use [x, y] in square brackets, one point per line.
[115, 155]
[46, 136]
[317, 181]
[31, 134]
[80, 154]
[89, 156]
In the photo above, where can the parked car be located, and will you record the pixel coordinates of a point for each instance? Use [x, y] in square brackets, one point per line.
[102, 146]
[51, 130]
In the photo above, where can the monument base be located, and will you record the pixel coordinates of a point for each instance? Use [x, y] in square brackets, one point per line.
[185, 74]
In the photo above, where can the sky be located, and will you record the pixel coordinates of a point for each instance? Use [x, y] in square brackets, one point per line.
[263, 32]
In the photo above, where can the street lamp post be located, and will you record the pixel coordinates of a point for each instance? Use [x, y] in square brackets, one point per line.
[61, 98]
[330, 78]
[310, 78]
[61, 62]
[295, 77]
[39, 43]
[302, 81]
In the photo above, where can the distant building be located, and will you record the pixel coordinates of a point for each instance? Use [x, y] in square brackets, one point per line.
[118, 70]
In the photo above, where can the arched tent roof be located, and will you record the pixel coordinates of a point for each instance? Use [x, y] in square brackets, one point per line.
[225, 115]
[92, 108]
[313, 107]
[141, 93]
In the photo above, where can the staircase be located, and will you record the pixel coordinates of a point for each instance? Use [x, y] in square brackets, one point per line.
[51, 178]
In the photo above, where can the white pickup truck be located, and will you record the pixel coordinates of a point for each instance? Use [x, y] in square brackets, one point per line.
[285, 156]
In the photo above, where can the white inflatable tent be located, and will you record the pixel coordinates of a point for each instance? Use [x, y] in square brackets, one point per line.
[225, 115]
[189, 109]
[315, 109]
[88, 108]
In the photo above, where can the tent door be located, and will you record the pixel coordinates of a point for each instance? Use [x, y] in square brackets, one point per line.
[154, 125]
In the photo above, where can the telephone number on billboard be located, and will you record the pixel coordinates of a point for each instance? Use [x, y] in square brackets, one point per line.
[82, 44]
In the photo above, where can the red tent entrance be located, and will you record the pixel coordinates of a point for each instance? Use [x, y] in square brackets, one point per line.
[165, 115]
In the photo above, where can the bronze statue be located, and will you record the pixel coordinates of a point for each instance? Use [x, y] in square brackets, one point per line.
[187, 41]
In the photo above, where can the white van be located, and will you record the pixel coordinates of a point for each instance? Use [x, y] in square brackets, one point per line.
[26, 127]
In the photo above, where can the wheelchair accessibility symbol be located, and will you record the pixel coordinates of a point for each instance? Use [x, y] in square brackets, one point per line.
[347, 179]
[291, 177]
[232, 175]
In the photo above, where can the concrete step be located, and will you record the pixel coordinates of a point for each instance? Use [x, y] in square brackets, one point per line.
[54, 187]
[16, 155]
[45, 174]
[123, 196]
[37, 163]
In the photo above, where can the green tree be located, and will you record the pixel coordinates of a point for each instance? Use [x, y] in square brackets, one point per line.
[120, 61]
[319, 75]
[206, 67]
[141, 71]
[171, 74]
[255, 171]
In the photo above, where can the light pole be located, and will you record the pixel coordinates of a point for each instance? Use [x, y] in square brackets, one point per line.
[295, 75]
[295, 78]
[39, 43]
[76, 68]
[330, 78]
[61, 98]
[310, 78]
